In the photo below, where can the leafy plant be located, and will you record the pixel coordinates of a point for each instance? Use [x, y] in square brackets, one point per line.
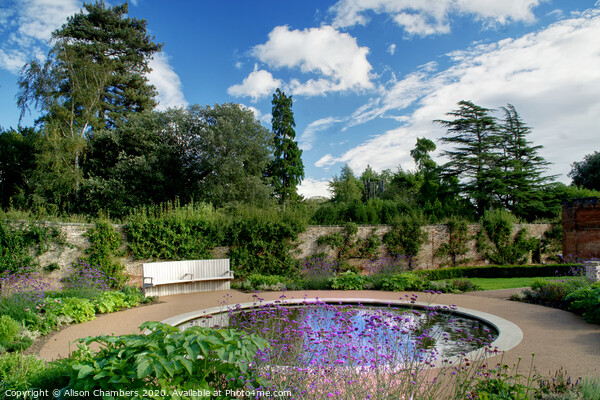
[403, 281]
[165, 358]
[109, 302]
[348, 280]
[495, 239]
[456, 246]
[16, 372]
[406, 237]
[264, 282]
[9, 329]
[79, 310]
[104, 244]
[586, 301]
[464, 285]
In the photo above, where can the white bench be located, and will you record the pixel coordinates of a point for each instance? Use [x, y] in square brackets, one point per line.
[177, 277]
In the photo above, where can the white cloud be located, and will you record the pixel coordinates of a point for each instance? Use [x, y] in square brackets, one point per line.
[258, 84]
[551, 76]
[167, 82]
[313, 187]
[28, 25]
[39, 18]
[12, 60]
[427, 17]
[335, 58]
[308, 137]
[392, 49]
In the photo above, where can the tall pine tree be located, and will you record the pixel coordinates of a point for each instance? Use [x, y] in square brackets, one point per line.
[473, 132]
[287, 169]
[520, 181]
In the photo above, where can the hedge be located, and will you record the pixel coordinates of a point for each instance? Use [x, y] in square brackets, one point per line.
[499, 271]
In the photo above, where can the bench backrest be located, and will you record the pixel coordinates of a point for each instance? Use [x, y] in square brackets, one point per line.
[180, 270]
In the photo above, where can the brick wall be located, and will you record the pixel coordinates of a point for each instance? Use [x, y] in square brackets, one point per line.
[581, 227]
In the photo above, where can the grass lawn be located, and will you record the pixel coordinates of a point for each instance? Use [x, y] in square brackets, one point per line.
[509, 283]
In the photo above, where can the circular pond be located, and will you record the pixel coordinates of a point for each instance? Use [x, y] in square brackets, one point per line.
[360, 333]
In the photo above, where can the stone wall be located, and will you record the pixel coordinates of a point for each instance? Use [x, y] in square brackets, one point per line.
[426, 259]
[581, 227]
[76, 244]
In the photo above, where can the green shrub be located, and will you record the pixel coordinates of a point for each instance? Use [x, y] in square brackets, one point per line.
[9, 329]
[554, 293]
[458, 230]
[464, 285]
[348, 280]
[586, 301]
[104, 245]
[590, 388]
[403, 281]
[406, 238]
[109, 302]
[79, 310]
[495, 271]
[165, 358]
[16, 371]
[495, 240]
[264, 282]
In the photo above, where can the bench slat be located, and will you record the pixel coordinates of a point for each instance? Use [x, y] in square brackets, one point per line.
[167, 277]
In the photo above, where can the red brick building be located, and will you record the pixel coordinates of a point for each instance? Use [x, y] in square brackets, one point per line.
[581, 228]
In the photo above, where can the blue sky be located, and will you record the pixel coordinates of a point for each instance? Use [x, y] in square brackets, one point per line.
[367, 76]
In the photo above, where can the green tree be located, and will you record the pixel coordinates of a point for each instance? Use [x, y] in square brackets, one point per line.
[18, 149]
[287, 169]
[520, 180]
[346, 188]
[473, 133]
[213, 154]
[94, 75]
[586, 173]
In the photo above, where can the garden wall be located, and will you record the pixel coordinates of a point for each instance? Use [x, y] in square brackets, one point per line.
[581, 227]
[77, 242]
[426, 259]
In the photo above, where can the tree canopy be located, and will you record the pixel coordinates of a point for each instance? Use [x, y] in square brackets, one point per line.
[586, 173]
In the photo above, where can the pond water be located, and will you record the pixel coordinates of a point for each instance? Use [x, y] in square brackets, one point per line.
[356, 335]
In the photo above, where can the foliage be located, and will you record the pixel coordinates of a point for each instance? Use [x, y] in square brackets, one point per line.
[403, 281]
[586, 301]
[17, 163]
[104, 244]
[348, 280]
[554, 293]
[165, 358]
[172, 232]
[87, 281]
[496, 164]
[406, 237]
[456, 245]
[14, 249]
[77, 309]
[586, 173]
[262, 240]
[497, 227]
[346, 188]
[264, 282]
[17, 372]
[286, 169]
[464, 285]
[109, 302]
[9, 329]
[499, 271]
